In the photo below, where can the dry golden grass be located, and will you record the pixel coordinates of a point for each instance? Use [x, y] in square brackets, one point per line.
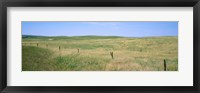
[130, 54]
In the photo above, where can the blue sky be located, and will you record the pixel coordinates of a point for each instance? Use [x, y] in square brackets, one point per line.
[126, 29]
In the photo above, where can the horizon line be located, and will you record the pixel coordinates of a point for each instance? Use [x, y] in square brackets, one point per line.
[98, 35]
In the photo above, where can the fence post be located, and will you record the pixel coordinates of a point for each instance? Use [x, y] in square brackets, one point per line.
[78, 50]
[37, 44]
[47, 45]
[111, 53]
[165, 66]
[59, 48]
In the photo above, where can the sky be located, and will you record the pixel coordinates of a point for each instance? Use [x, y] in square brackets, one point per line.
[125, 29]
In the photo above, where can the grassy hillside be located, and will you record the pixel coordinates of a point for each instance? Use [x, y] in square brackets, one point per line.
[92, 53]
[35, 58]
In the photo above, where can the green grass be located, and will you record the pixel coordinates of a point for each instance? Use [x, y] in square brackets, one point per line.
[41, 59]
[77, 62]
[34, 58]
[130, 54]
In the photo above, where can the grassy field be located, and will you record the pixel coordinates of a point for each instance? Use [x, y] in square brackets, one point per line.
[92, 53]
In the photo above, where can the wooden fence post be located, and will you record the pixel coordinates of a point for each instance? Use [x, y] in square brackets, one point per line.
[78, 50]
[37, 44]
[47, 45]
[111, 53]
[59, 48]
[165, 66]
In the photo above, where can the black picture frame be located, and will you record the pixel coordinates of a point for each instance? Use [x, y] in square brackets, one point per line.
[99, 3]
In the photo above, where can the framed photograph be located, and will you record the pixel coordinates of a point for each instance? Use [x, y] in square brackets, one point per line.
[135, 46]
